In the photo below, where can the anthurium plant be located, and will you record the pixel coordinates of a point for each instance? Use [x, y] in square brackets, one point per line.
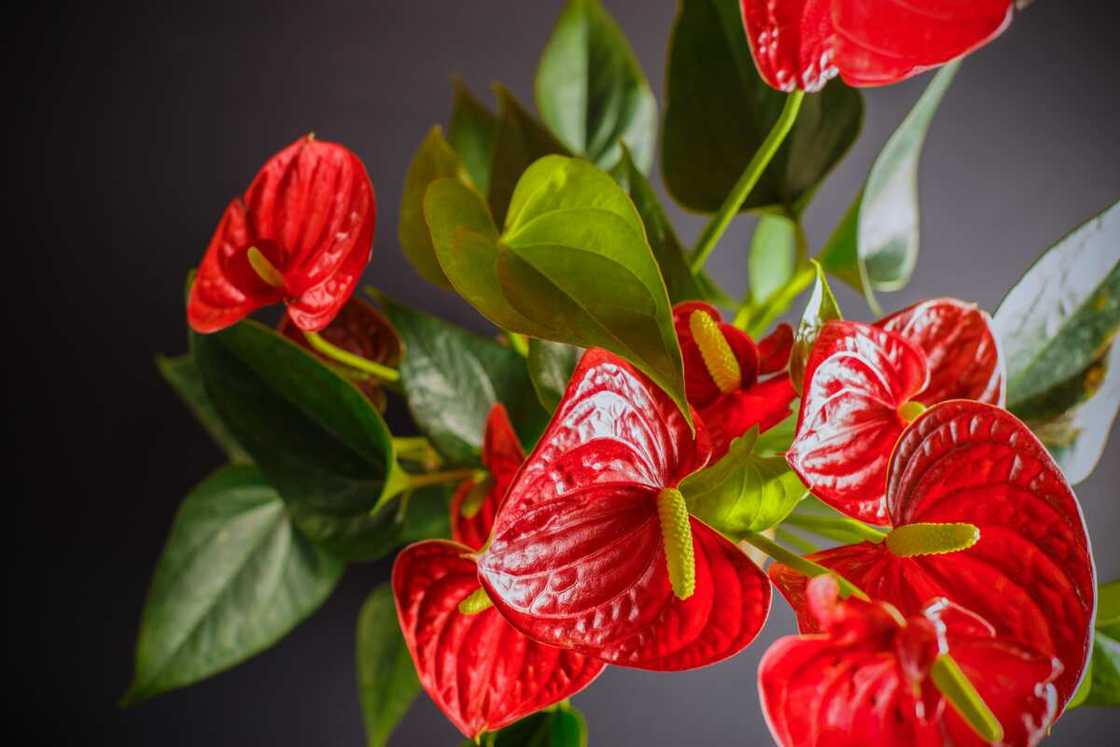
[633, 462]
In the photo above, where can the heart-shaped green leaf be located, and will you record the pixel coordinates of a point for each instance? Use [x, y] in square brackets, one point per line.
[550, 367]
[235, 576]
[572, 265]
[184, 377]
[317, 439]
[821, 309]
[452, 378]
[591, 91]
[719, 111]
[387, 682]
[743, 492]
[434, 159]
[519, 141]
[1057, 329]
[875, 247]
[471, 133]
[559, 726]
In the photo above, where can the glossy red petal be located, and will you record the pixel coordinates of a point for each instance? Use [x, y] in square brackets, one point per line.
[960, 347]
[502, 454]
[878, 42]
[700, 389]
[731, 415]
[791, 42]
[855, 379]
[481, 672]
[774, 350]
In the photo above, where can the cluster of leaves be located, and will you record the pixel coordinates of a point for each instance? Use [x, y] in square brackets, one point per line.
[551, 228]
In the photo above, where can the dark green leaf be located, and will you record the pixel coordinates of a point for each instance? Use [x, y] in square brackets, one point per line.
[560, 726]
[434, 159]
[667, 250]
[550, 368]
[315, 436]
[822, 308]
[573, 265]
[520, 140]
[743, 492]
[591, 90]
[184, 377]
[1056, 329]
[719, 111]
[233, 579]
[471, 132]
[452, 378]
[774, 254]
[387, 682]
[875, 247]
[426, 514]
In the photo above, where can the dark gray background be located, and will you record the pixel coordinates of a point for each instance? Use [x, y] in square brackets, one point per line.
[134, 123]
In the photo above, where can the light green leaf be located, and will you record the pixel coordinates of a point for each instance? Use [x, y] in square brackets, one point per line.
[520, 140]
[1057, 329]
[719, 111]
[776, 248]
[550, 368]
[387, 682]
[1100, 685]
[591, 91]
[821, 309]
[776, 441]
[743, 492]
[472, 132]
[434, 159]
[572, 265]
[234, 577]
[184, 377]
[875, 247]
[452, 378]
[316, 438]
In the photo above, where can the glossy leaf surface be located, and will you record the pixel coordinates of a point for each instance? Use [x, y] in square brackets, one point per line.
[387, 682]
[1055, 327]
[502, 455]
[550, 367]
[452, 379]
[1030, 574]
[856, 378]
[234, 577]
[820, 309]
[561, 726]
[481, 672]
[434, 159]
[592, 92]
[472, 132]
[719, 111]
[773, 256]
[310, 213]
[875, 247]
[577, 557]
[867, 678]
[183, 376]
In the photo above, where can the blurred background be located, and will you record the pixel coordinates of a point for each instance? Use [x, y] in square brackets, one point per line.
[134, 123]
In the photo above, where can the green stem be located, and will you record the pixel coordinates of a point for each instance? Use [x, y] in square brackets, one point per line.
[751, 174]
[520, 343]
[384, 373]
[439, 478]
[802, 565]
[763, 316]
[803, 545]
[836, 523]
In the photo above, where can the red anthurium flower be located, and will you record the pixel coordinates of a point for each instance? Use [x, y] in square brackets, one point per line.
[301, 234]
[962, 473]
[594, 549]
[804, 43]
[871, 677]
[722, 366]
[482, 673]
[476, 501]
[360, 329]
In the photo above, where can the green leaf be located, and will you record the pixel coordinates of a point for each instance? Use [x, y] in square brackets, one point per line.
[776, 441]
[1100, 684]
[452, 378]
[875, 247]
[520, 140]
[821, 309]
[387, 682]
[591, 91]
[550, 368]
[776, 248]
[472, 132]
[1056, 329]
[667, 249]
[573, 265]
[234, 577]
[743, 492]
[719, 111]
[427, 514]
[317, 439]
[560, 726]
[434, 159]
[184, 377]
